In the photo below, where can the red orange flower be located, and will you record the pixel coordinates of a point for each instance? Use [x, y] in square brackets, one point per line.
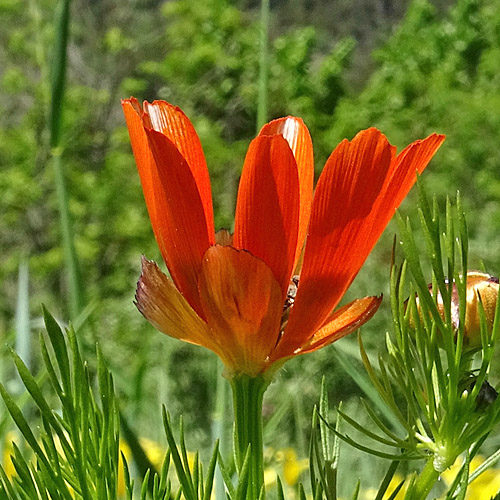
[234, 294]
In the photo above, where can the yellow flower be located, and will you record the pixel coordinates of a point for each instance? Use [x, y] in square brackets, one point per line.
[287, 465]
[486, 486]
[154, 452]
[371, 493]
[292, 466]
[8, 453]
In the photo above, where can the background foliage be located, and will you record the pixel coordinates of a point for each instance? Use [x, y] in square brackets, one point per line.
[407, 68]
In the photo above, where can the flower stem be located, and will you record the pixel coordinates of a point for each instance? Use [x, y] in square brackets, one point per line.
[220, 424]
[248, 393]
[425, 481]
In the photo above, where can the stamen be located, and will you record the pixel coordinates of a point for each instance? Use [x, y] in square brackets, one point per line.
[287, 306]
[291, 293]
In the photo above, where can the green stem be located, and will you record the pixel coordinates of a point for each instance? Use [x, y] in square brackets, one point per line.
[23, 337]
[425, 481]
[220, 423]
[248, 394]
[59, 66]
[263, 65]
[75, 299]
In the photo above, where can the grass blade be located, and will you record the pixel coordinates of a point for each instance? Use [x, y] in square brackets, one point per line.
[23, 345]
[59, 65]
[263, 64]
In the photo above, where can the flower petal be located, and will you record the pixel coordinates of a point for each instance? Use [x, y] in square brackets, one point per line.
[343, 321]
[361, 186]
[177, 216]
[341, 220]
[242, 302]
[414, 158]
[176, 126]
[183, 229]
[161, 304]
[223, 238]
[145, 163]
[297, 135]
[267, 210]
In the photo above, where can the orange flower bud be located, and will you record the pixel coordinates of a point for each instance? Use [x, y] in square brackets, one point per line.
[481, 287]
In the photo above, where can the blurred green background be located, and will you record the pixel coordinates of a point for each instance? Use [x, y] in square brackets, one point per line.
[408, 68]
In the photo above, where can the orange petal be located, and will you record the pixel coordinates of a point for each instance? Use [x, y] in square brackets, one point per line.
[223, 238]
[145, 163]
[342, 322]
[297, 135]
[336, 245]
[161, 304]
[267, 210]
[182, 225]
[414, 158]
[242, 302]
[176, 126]
[178, 219]
[362, 185]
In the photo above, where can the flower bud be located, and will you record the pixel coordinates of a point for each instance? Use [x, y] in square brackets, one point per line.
[481, 287]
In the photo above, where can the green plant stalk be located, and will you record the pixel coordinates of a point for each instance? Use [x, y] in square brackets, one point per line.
[75, 298]
[58, 83]
[220, 423]
[263, 64]
[248, 394]
[23, 343]
[425, 481]
[58, 80]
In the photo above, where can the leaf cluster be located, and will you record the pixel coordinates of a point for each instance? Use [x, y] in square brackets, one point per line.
[75, 452]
